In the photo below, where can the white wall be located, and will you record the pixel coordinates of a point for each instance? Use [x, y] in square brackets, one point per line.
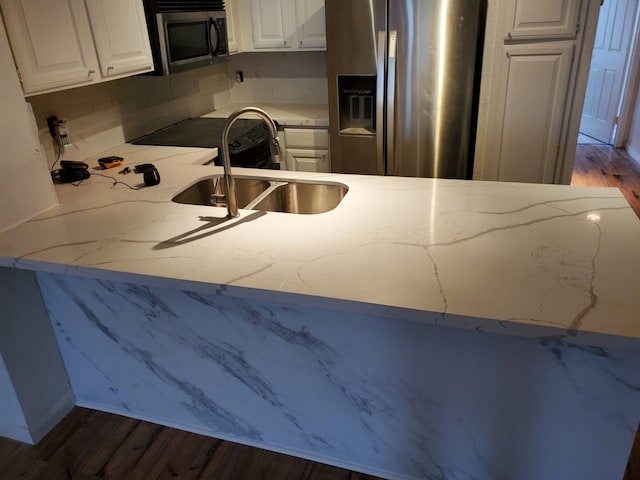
[31, 369]
[12, 421]
[25, 184]
[280, 77]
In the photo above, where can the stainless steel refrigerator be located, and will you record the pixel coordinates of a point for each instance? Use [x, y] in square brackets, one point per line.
[403, 85]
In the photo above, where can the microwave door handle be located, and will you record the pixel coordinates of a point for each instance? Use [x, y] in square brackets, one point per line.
[214, 36]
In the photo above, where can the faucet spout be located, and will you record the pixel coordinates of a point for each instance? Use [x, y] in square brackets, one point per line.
[230, 184]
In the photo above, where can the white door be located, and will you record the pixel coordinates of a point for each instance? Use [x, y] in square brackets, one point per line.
[51, 42]
[311, 24]
[544, 19]
[307, 160]
[608, 68]
[530, 120]
[120, 33]
[273, 23]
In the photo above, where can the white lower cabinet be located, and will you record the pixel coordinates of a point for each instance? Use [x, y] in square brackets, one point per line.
[60, 44]
[307, 150]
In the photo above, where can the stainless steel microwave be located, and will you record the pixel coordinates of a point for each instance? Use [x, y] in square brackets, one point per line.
[187, 40]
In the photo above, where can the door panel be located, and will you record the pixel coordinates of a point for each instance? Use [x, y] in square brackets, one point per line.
[120, 33]
[311, 23]
[49, 41]
[434, 94]
[536, 88]
[352, 44]
[608, 68]
[545, 18]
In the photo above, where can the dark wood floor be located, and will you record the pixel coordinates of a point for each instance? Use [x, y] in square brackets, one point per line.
[91, 445]
[606, 166]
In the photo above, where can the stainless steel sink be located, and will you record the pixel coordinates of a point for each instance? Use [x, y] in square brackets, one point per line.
[205, 191]
[270, 195]
[299, 197]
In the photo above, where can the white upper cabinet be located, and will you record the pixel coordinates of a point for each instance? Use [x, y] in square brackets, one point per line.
[287, 24]
[273, 23]
[311, 24]
[51, 42]
[120, 34]
[544, 18]
[54, 42]
[231, 8]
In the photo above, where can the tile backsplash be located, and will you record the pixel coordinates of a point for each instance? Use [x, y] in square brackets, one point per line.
[108, 114]
[275, 77]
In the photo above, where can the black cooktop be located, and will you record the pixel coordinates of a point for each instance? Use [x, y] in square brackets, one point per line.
[249, 144]
[206, 133]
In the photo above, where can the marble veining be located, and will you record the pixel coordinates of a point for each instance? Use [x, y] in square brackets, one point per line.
[400, 399]
[541, 261]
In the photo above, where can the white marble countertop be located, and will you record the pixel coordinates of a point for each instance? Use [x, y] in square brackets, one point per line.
[286, 114]
[518, 259]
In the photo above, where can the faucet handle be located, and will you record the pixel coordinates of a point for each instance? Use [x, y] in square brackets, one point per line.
[276, 157]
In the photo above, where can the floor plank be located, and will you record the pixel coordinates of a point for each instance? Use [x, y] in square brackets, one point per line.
[606, 166]
[92, 445]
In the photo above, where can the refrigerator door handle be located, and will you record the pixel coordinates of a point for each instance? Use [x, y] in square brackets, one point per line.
[391, 100]
[382, 51]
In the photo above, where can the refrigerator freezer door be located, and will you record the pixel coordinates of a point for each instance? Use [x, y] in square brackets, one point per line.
[434, 111]
[352, 72]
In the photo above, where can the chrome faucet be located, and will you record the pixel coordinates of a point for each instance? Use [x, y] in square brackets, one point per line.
[230, 184]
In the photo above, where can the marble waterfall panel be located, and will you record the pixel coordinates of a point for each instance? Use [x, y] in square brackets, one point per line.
[400, 399]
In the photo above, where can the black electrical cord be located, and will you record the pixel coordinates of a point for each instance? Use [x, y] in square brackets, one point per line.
[53, 167]
[116, 181]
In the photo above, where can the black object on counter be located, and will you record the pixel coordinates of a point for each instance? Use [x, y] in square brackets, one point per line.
[248, 139]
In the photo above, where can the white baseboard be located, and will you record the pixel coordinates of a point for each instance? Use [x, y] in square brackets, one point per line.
[46, 423]
[16, 432]
[633, 153]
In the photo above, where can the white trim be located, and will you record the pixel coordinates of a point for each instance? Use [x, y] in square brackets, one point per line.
[633, 153]
[629, 87]
[16, 432]
[55, 414]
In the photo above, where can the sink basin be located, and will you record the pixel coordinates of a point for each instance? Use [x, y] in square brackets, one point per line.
[299, 197]
[269, 195]
[247, 189]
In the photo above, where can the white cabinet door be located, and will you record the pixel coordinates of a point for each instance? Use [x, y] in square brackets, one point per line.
[545, 18]
[308, 160]
[311, 24]
[233, 38]
[51, 42]
[273, 23]
[120, 34]
[307, 149]
[530, 117]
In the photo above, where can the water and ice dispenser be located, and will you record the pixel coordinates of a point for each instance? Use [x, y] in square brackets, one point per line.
[357, 104]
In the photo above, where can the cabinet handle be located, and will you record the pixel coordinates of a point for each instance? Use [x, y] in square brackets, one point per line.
[91, 73]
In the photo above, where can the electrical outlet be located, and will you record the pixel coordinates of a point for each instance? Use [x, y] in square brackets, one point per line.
[62, 133]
